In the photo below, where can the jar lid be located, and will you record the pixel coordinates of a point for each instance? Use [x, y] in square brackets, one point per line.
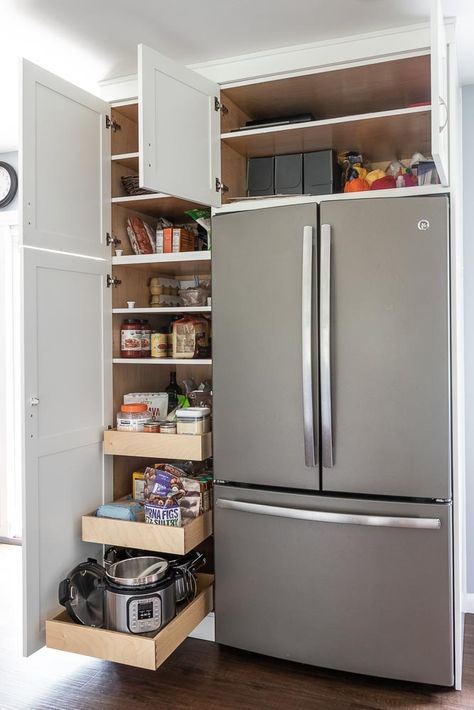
[167, 425]
[137, 407]
[193, 413]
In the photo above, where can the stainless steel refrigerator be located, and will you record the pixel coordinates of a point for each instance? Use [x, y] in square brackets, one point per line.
[332, 435]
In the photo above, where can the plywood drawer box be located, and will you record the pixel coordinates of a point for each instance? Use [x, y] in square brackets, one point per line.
[132, 649]
[163, 446]
[146, 536]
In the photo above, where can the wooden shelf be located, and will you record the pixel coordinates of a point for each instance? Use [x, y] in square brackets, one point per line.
[159, 361]
[132, 649]
[163, 310]
[129, 160]
[283, 200]
[381, 136]
[165, 446]
[146, 536]
[378, 86]
[158, 205]
[184, 262]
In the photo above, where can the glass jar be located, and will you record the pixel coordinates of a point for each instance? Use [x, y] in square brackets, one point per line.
[133, 417]
[151, 428]
[131, 338]
[167, 427]
[146, 338]
[159, 343]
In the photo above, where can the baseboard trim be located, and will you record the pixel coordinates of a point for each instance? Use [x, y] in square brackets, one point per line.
[468, 603]
[206, 629]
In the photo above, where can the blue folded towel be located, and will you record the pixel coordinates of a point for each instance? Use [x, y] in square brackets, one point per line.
[121, 510]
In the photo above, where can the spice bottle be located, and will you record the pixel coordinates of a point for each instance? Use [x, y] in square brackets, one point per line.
[131, 338]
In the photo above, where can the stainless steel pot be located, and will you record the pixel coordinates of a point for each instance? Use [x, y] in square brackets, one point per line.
[137, 571]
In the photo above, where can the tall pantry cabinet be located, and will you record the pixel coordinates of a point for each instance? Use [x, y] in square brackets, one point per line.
[386, 96]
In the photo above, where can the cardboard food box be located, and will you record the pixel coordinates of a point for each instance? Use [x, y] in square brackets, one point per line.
[176, 239]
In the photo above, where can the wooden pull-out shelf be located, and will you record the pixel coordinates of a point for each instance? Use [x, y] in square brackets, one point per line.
[131, 649]
[146, 536]
[164, 446]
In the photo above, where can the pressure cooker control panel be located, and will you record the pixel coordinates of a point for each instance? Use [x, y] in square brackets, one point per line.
[144, 614]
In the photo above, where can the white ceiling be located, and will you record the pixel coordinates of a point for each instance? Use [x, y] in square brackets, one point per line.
[91, 40]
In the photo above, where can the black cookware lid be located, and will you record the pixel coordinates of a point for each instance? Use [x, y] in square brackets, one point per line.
[82, 593]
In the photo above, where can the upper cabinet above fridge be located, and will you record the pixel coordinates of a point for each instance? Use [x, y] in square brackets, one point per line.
[179, 130]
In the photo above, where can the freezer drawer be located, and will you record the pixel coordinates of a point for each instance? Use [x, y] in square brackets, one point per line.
[354, 585]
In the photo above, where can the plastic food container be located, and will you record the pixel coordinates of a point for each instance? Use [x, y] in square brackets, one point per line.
[193, 420]
[133, 417]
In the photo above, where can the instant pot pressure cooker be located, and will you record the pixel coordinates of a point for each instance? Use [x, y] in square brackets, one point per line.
[185, 567]
[135, 595]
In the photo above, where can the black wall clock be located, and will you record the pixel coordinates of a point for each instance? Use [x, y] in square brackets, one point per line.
[8, 183]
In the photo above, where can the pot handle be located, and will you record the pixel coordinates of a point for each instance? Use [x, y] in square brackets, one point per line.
[64, 592]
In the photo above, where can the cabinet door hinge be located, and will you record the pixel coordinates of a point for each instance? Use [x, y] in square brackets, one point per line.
[218, 106]
[220, 187]
[112, 124]
[112, 281]
[110, 239]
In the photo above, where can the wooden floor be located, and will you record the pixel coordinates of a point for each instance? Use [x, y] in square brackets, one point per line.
[198, 675]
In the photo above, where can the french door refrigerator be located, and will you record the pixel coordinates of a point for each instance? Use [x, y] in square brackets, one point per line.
[331, 351]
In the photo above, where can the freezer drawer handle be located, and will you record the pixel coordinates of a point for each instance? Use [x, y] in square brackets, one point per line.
[322, 516]
[306, 347]
[325, 346]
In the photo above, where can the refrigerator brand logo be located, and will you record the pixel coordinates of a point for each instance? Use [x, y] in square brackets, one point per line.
[423, 225]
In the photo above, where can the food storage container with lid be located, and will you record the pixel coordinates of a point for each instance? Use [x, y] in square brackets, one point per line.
[133, 417]
[193, 420]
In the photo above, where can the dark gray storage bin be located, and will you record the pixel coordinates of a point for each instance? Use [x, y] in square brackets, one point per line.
[260, 176]
[322, 173]
[289, 174]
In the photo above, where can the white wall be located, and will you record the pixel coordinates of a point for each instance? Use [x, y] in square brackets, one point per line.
[468, 183]
[10, 519]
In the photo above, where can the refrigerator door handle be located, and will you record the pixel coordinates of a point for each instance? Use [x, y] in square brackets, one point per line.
[325, 346]
[310, 453]
[321, 516]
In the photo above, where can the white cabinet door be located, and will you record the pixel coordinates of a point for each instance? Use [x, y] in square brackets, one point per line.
[439, 94]
[179, 130]
[64, 165]
[67, 404]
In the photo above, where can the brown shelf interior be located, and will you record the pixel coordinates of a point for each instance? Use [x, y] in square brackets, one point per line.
[381, 86]
[125, 138]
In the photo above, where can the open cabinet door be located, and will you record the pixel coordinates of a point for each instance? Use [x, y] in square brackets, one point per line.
[64, 165]
[439, 94]
[67, 404]
[179, 130]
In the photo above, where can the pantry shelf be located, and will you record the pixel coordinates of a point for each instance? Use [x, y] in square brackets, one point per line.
[158, 205]
[165, 309]
[132, 649]
[129, 160]
[185, 262]
[160, 361]
[167, 446]
[380, 136]
[147, 536]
